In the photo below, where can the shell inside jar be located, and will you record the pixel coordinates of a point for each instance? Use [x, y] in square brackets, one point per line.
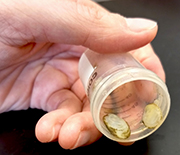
[117, 126]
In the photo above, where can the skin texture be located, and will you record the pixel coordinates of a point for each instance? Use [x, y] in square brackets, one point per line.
[40, 45]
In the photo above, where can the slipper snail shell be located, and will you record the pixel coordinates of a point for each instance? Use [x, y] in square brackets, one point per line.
[117, 126]
[152, 116]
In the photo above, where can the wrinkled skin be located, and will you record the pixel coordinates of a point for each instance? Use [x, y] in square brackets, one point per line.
[40, 46]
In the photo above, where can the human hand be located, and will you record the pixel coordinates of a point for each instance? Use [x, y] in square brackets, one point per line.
[40, 45]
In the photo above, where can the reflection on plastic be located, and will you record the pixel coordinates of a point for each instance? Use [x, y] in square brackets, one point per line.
[118, 85]
[129, 100]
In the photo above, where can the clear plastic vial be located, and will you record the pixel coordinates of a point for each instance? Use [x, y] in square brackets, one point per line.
[118, 85]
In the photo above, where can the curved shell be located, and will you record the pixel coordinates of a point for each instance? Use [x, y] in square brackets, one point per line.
[152, 115]
[117, 126]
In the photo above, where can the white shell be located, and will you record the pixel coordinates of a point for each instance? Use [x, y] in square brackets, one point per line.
[152, 115]
[117, 126]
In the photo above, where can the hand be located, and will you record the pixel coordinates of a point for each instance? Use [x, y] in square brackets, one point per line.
[40, 45]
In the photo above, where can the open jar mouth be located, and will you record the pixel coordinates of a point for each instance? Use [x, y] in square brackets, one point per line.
[126, 94]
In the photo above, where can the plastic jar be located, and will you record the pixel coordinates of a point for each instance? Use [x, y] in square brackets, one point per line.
[118, 84]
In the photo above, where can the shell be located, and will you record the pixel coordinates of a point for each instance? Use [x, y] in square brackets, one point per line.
[152, 116]
[117, 126]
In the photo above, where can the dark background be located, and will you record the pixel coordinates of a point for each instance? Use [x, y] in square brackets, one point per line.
[17, 135]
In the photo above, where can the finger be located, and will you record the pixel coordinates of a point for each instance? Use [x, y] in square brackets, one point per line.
[78, 89]
[127, 144]
[72, 22]
[148, 58]
[78, 130]
[48, 127]
[146, 90]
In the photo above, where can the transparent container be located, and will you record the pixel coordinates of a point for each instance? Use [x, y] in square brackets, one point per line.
[118, 84]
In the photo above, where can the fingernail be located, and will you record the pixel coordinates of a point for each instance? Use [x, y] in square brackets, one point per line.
[140, 24]
[82, 140]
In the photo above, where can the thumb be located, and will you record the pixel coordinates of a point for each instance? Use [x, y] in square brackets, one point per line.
[72, 22]
[125, 35]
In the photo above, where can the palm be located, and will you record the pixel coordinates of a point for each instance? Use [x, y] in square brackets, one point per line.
[42, 77]
[45, 76]
[36, 73]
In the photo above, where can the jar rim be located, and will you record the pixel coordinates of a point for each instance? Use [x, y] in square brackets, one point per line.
[121, 77]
